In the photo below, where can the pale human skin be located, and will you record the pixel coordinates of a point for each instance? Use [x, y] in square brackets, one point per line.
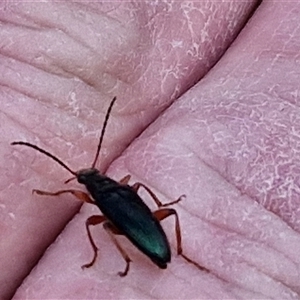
[230, 144]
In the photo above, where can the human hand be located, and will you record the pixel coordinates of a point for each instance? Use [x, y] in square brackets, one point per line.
[228, 144]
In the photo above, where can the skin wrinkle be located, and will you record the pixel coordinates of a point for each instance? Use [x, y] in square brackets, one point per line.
[15, 120]
[24, 92]
[42, 98]
[66, 69]
[143, 292]
[48, 174]
[65, 28]
[15, 23]
[242, 193]
[247, 239]
[189, 283]
[70, 116]
[25, 62]
[40, 26]
[35, 134]
[270, 273]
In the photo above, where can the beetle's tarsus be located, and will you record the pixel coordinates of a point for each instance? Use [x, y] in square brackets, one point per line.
[123, 274]
[194, 263]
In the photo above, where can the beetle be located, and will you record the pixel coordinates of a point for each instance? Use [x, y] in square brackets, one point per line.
[124, 212]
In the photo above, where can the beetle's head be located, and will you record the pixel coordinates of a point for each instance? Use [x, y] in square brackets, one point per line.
[84, 175]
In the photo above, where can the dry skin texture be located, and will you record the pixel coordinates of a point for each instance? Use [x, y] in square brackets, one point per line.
[230, 144]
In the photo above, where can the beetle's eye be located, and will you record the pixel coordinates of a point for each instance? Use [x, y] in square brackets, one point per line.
[81, 178]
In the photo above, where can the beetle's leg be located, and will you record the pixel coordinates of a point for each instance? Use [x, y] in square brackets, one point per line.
[78, 194]
[92, 221]
[166, 212]
[125, 179]
[112, 230]
[137, 185]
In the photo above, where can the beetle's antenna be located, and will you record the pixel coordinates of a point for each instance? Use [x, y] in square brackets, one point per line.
[103, 130]
[46, 153]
